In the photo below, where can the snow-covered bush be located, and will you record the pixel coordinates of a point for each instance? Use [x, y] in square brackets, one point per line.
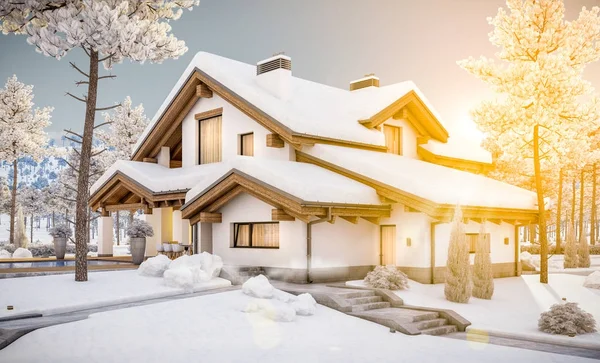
[483, 275]
[570, 249]
[5, 254]
[458, 267]
[592, 281]
[527, 262]
[271, 309]
[387, 277]
[258, 286]
[566, 319]
[179, 277]
[305, 304]
[211, 264]
[154, 266]
[22, 253]
[61, 231]
[9, 247]
[139, 229]
[583, 252]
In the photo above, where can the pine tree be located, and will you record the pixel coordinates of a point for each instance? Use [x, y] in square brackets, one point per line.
[583, 252]
[545, 110]
[458, 269]
[20, 238]
[570, 254]
[108, 32]
[483, 275]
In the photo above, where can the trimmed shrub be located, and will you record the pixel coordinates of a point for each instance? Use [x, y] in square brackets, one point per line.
[570, 250]
[583, 252]
[566, 319]
[139, 229]
[387, 277]
[534, 249]
[9, 247]
[458, 269]
[61, 231]
[483, 275]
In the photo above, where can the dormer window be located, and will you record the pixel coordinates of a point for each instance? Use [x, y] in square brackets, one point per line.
[210, 140]
[393, 139]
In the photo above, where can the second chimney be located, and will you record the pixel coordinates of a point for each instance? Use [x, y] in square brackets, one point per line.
[369, 80]
[275, 75]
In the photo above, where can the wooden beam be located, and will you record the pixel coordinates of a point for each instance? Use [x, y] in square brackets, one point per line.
[477, 220]
[150, 160]
[353, 220]
[128, 206]
[374, 220]
[224, 199]
[422, 139]
[209, 114]
[207, 217]
[332, 219]
[203, 91]
[175, 164]
[495, 221]
[273, 140]
[281, 215]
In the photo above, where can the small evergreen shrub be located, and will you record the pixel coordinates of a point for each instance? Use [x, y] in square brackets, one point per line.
[9, 247]
[566, 319]
[534, 249]
[458, 270]
[387, 277]
[570, 250]
[61, 231]
[483, 275]
[139, 229]
[583, 252]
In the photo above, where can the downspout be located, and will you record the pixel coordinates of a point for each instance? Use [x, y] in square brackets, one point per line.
[328, 218]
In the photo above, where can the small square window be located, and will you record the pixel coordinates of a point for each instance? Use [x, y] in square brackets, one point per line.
[247, 144]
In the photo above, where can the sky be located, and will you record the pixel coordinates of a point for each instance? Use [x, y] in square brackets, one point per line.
[330, 41]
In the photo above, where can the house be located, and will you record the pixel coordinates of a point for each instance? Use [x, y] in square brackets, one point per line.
[306, 181]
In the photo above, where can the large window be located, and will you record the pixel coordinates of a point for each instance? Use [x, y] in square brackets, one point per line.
[472, 242]
[256, 235]
[393, 139]
[210, 140]
[247, 144]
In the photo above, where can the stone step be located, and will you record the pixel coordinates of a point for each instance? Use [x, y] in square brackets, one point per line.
[433, 323]
[356, 293]
[420, 315]
[440, 330]
[370, 306]
[364, 300]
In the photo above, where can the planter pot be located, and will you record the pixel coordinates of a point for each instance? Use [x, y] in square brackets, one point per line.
[60, 247]
[137, 245]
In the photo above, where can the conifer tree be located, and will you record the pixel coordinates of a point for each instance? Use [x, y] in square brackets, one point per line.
[458, 269]
[483, 275]
[583, 252]
[570, 249]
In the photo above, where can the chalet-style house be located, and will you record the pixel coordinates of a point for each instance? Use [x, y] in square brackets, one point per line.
[307, 181]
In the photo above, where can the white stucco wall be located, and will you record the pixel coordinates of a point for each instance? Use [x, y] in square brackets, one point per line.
[234, 123]
[500, 253]
[415, 226]
[409, 137]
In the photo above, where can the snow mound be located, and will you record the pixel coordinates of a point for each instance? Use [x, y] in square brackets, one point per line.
[592, 281]
[283, 296]
[211, 264]
[5, 254]
[258, 286]
[305, 304]
[184, 261]
[274, 310]
[527, 261]
[185, 271]
[154, 266]
[22, 253]
[179, 277]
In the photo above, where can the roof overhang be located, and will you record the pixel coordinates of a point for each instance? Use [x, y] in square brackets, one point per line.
[204, 206]
[461, 164]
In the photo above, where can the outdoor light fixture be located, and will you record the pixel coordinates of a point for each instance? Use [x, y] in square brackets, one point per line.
[506, 240]
[408, 242]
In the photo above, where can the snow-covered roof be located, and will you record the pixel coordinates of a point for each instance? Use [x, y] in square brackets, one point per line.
[307, 182]
[433, 182]
[459, 149]
[314, 109]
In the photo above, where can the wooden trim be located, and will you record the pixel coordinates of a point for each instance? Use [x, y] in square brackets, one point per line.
[129, 206]
[206, 217]
[226, 198]
[150, 160]
[432, 250]
[209, 114]
[460, 164]
[203, 91]
[353, 220]
[175, 164]
[374, 220]
[304, 139]
[280, 215]
[273, 140]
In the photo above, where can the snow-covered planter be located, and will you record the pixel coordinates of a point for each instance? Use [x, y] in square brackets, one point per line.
[154, 266]
[60, 234]
[387, 277]
[22, 253]
[137, 232]
[60, 231]
[5, 254]
[566, 319]
[592, 281]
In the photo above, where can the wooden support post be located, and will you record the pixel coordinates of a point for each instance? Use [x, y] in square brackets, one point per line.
[273, 140]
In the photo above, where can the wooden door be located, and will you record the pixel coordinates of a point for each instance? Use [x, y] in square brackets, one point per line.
[388, 245]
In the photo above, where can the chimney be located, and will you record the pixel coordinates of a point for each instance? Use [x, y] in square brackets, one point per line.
[369, 80]
[275, 75]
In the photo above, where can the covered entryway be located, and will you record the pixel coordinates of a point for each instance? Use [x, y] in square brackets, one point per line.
[387, 245]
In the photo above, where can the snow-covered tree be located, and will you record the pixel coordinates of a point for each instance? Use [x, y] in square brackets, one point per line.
[20, 238]
[583, 251]
[31, 201]
[4, 197]
[570, 249]
[21, 132]
[108, 31]
[483, 275]
[545, 109]
[458, 269]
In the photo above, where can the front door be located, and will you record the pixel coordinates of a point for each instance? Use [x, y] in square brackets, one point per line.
[387, 245]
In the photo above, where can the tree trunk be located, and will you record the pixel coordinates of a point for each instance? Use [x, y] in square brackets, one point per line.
[53, 218]
[559, 212]
[131, 214]
[31, 229]
[573, 207]
[13, 204]
[541, 207]
[593, 211]
[581, 195]
[81, 209]
[118, 230]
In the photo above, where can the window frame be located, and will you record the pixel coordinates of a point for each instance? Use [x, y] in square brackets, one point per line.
[400, 143]
[242, 143]
[199, 151]
[250, 225]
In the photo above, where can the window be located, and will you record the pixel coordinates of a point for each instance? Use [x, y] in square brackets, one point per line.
[393, 139]
[247, 144]
[256, 235]
[210, 140]
[472, 242]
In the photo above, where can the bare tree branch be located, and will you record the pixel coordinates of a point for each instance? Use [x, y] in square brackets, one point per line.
[108, 108]
[102, 124]
[74, 133]
[79, 83]
[68, 187]
[109, 76]
[68, 200]
[86, 51]
[77, 98]
[77, 141]
[98, 153]
[72, 167]
[105, 58]
[79, 70]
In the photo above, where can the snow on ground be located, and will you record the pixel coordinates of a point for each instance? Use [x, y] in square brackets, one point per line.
[39, 234]
[55, 294]
[556, 264]
[516, 305]
[213, 328]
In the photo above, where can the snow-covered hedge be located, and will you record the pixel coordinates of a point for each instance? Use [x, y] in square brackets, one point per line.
[275, 304]
[61, 231]
[592, 281]
[46, 249]
[154, 266]
[566, 319]
[139, 229]
[387, 277]
[534, 249]
[5, 254]
[185, 271]
[22, 253]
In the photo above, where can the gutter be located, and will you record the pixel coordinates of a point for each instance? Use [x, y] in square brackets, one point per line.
[328, 218]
